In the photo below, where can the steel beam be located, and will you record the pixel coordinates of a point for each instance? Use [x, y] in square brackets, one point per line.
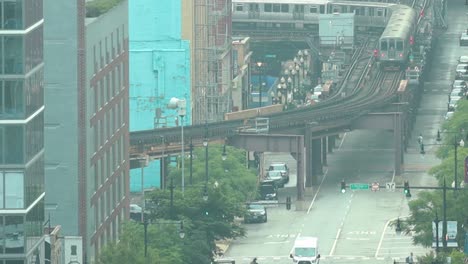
[293, 144]
[324, 151]
[331, 143]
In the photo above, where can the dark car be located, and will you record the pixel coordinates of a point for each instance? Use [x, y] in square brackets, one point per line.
[256, 213]
[282, 167]
[267, 190]
[276, 177]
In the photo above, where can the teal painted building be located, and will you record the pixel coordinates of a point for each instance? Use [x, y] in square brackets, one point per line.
[159, 70]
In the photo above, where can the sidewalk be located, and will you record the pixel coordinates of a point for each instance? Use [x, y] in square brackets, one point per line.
[223, 246]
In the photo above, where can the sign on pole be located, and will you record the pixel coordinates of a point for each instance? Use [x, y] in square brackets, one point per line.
[390, 186]
[451, 234]
[359, 186]
[375, 186]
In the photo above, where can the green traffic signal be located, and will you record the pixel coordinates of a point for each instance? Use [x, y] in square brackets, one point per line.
[343, 186]
[407, 189]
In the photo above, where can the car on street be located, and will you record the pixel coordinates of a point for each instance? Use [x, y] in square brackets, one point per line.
[463, 59]
[276, 177]
[452, 105]
[256, 213]
[449, 115]
[456, 92]
[282, 167]
[459, 84]
[464, 38]
[267, 190]
[461, 71]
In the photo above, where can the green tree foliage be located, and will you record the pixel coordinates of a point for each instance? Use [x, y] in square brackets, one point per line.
[424, 208]
[164, 246]
[96, 8]
[229, 185]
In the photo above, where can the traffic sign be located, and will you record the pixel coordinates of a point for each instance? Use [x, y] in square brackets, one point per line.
[375, 186]
[359, 186]
[390, 186]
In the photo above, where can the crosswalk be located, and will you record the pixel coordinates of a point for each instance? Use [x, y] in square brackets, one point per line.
[323, 259]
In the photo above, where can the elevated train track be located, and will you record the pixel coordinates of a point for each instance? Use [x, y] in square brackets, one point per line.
[366, 89]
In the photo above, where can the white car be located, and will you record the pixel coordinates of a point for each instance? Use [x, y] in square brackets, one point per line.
[456, 92]
[459, 84]
[463, 59]
[461, 71]
[135, 209]
[464, 38]
[449, 115]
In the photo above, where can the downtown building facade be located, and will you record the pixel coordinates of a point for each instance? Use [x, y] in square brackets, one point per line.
[21, 132]
[159, 70]
[86, 122]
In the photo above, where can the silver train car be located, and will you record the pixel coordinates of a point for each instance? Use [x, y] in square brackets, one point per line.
[277, 15]
[396, 41]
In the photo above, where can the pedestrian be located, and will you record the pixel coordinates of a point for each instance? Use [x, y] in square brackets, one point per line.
[254, 261]
[410, 258]
[420, 139]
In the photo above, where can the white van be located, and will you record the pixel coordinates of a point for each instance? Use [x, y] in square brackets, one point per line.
[305, 250]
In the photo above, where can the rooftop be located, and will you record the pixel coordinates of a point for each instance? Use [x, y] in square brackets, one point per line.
[95, 8]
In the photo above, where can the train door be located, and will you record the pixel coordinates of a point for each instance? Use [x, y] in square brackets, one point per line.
[391, 49]
[400, 49]
[298, 12]
[384, 48]
[254, 11]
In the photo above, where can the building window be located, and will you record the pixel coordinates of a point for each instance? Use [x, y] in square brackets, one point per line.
[13, 55]
[73, 250]
[13, 144]
[12, 99]
[14, 234]
[14, 190]
[12, 14]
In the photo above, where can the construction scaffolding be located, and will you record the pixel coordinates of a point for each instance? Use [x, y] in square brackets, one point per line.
[212, 60]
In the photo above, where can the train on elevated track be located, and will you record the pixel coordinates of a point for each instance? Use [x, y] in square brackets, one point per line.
[395, 43]
[299, 15]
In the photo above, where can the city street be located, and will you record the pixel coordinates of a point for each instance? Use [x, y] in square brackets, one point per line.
[354, 227]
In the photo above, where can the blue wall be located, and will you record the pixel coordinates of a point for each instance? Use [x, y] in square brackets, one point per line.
[159, 70]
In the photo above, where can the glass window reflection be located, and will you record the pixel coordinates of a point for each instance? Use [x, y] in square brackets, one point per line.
[14, 234]
[11, 138]
[13, 14]
[13, 52]
[12, 99]
[14, 190]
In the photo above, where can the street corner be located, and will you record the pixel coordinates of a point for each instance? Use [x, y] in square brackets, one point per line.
[222, 246]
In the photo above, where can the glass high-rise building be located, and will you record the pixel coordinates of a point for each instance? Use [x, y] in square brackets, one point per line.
[21, 132]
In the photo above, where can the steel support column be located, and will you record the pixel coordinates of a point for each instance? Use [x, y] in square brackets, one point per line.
[293, 144]
[308, 157]
[317, 160]
[324, 151]
[331, 143]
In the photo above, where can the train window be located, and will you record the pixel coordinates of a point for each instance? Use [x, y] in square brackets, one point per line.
[267, 7]
[276, 8]
[322, 9]
[313, 9]
[336, 9]
[383, 45]
[254, 8]
[284, 8]
[380, 12]
[371, 11]
[399, 45]
[239, 7]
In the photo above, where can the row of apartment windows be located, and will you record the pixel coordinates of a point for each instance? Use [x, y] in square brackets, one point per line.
[111, 47]
[108, 87]
[110, 198]
[107, 126]
[110, 162]
[112, 231]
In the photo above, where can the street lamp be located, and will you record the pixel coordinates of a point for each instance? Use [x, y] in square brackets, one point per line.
[205, 144]
[260, 83]
[456, 143]
[180, 104]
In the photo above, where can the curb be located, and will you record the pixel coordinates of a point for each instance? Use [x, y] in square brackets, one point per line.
[223, 246]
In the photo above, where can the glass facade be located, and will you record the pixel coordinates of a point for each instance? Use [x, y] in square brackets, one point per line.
[21, 131]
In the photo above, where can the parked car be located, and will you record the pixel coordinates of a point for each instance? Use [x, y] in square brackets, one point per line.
[464, 38]
[461, 84]
[267, 190]
[461, 71]
[463, 59]
[276, 177]
[449, 115]
[282, 167]
[452, 105]
[256, 213]
[456, 92]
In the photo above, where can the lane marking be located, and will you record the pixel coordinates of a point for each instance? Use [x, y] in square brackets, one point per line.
[342, 140]
[277, 242]
[382, 236]
[318, 190]
[335, 242]
[393, 177]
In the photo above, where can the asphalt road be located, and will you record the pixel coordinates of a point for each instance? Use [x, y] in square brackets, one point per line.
[354, 227]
